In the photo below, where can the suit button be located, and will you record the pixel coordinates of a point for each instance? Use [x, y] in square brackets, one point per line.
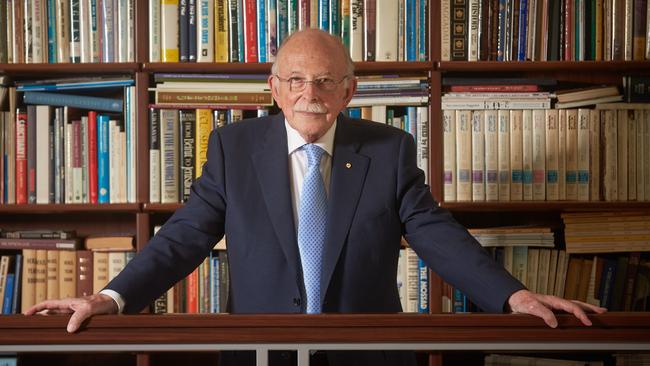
[296, 301]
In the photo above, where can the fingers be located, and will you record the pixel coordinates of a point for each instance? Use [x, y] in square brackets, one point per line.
[81, 308]
[51, 306]
[531, 305]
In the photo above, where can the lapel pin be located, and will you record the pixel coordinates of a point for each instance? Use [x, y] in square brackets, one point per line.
[348, 165]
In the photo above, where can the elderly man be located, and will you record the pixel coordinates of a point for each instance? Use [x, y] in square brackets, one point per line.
[314, 205]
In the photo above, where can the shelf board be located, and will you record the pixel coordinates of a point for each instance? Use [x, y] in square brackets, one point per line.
[162, 207]
[538, 206]
[70, 208]
[265, 68]
[510, 66]
[68, 68]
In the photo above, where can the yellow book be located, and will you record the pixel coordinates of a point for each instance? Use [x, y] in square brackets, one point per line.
[67, 274]
[100, 270]
[40, 291]
[221, 31]
[52, 274]
[169, 31]
[203, 129]
[29, 279]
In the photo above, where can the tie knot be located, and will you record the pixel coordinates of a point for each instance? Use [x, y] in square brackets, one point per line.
[314, 154]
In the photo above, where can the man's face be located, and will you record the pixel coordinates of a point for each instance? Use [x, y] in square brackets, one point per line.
[303, 87]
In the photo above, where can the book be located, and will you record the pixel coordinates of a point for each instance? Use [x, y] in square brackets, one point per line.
[586, 102]
[121, 242]
[76, 101]
[14, 243]
[572, 95]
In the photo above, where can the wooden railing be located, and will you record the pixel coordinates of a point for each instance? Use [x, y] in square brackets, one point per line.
[183, 332]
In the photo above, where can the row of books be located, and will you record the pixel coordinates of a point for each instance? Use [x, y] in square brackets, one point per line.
[607, 232]
[619, 281]
[178, 143]
[573, 154]
[544, 30]
[34, 270]
[412, 282]
[68, 155]
[252, 30]
[61, 31]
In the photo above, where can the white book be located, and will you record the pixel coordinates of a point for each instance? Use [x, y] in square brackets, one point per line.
[594, 155]
[516, 155]
[610, 160]
[464, 155]
[622, 176]
[205, 30]
[84, 35]
[640, 130]
[39, 32]
[43, 158]
[552, 138]
[572, 154]
[539, 155]
[472, 36]
[169, 156]
[583, 155]
[93, 30]
[68, 137]
[356, 30]
[386, 30]
[449, 155]
[401, 277]
[130, 31]
[131, 130]
[561, 154]
[527, 154]
[121, 181]
[85, 184]
[379, 113]
[491, 156]
[169, 36]
[478, 155]
[631, 155]
[62, 31]
[423, 140]
[646, 152]
[503, 135]
[154, 31]
[122, 39]
[532, 272]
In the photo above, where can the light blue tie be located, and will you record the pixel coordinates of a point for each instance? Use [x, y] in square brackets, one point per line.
[312, 223]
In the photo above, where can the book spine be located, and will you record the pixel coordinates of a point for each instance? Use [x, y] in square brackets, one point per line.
[262, 30]
[491, 156]
[272, 31]
[154, 155]
[552, 138]
[188, 142]
[192, 30]
[250, 33]
[169, 156]
[28, 293]
[173, 97]
[594, 155]
[183, 31]
[449, 155]
[386, 35]
[583, 155]
[169, 31]
[77, 101]
[503, 135]
[516, 155]
[52, 273]
[356, 31]
[31, 154]
[370, 27]
[43, 160]
[233, 30]
[539, 155]
[154, 31]
[527, 154]
[463, 155]
[21, 157]
[561, 154]
[221, 35]
[572, 155]
[103, 170]
[92, 157]
[478, 155]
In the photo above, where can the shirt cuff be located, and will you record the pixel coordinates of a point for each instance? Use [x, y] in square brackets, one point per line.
[116, 297]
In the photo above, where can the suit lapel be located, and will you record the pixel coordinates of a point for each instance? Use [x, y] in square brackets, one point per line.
[272, 167]
[348, 175]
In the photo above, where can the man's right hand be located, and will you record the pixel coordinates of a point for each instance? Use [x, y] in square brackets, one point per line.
[80, 308]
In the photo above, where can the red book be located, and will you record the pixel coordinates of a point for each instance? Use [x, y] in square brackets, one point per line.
[21, 157]
[250, 33]
[494, 88]
[192, 295]
[92, 156]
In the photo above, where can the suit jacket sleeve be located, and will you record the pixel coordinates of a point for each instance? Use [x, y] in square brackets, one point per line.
[183, 242]
[444, 244]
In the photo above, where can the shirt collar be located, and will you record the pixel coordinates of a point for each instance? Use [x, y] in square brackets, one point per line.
[295, 141]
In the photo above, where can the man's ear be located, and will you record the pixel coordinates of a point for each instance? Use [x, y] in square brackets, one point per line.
[351, 89]
[274, 85]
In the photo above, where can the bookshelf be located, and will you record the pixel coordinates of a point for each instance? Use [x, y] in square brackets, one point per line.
[140, 217]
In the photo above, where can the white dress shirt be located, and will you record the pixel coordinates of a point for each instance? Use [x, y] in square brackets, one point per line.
[297, 170]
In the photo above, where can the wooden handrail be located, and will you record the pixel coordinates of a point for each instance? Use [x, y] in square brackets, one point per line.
[327, 328]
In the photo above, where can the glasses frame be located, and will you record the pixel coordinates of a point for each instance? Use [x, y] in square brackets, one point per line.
[313, 82]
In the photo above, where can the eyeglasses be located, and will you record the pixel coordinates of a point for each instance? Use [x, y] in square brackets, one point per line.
[297, 84]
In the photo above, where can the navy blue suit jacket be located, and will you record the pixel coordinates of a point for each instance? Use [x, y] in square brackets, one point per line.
[377, 194]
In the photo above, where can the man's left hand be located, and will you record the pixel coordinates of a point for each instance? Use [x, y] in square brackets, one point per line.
[527, 302]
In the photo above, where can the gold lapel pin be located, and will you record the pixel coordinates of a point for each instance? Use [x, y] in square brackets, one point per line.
[348, 165]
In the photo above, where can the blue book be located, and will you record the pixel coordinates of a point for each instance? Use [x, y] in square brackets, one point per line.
[51, 32]
[335, 18]
[241, 30]
[423, 287]
[17, 284]
[282, 13]
[324, 15]
[8, 361]
[411, 33]
[183, 31]
[214, 283]
[103, 177]
[82, 85]
[191, 21]
[523, 21]
[261, 30]
[354, 112]
[422, 26]
[9, 292]
[77, 101]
